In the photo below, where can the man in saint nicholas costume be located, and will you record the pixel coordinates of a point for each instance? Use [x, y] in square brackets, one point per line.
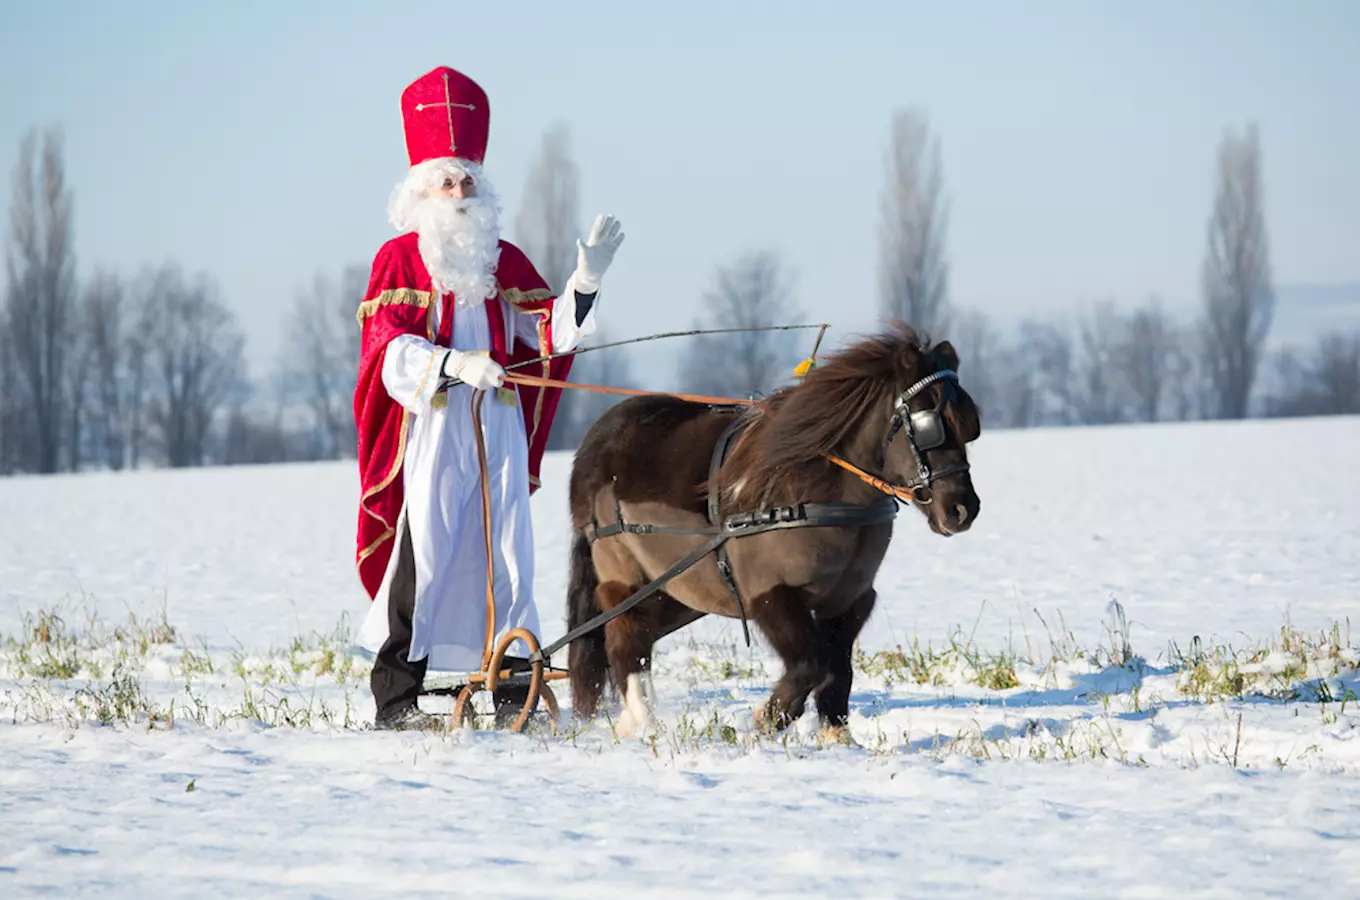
[448, 299]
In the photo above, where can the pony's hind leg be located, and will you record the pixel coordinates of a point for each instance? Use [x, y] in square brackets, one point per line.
[785, 620]
[838, 636]
[628, 640]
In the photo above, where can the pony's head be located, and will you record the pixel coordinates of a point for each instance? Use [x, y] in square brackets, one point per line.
[892, 406]
[925, 448]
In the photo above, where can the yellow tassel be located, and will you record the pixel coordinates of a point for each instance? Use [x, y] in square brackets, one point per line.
[805, 366]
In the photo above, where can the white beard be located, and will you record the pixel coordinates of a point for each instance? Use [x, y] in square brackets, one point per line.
[460, 246]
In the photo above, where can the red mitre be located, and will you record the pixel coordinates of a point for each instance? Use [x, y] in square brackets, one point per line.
[445, 114]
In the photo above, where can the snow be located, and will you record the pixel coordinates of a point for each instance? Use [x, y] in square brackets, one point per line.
[1133, 677]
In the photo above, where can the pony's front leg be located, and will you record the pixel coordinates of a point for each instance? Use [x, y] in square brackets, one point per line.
[838, 636]
[784, 618]
[628, 641]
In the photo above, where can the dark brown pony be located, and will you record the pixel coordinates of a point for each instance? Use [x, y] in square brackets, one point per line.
[809, 590]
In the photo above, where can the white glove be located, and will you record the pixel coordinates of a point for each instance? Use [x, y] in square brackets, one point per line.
[474, 369]
[594, 256]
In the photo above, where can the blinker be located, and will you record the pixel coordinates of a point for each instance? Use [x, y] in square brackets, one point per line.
[927, 429]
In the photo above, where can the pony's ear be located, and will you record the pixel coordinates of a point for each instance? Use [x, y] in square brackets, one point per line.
[948, 355]
[909, 362]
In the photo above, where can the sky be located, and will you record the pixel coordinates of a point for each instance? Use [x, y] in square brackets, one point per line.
[258, 142]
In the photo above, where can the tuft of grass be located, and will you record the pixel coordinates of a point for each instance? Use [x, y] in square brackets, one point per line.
[93, 675]
[721, 664]
[1292, 665]
[955, 663]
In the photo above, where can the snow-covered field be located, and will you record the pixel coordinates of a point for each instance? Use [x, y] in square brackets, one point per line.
[1134, 677]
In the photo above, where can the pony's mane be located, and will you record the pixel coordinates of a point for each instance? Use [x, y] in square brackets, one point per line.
[800, 423]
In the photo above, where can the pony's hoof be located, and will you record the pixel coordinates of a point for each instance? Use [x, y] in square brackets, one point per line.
[837, 734]
[636, 718]
[631, 726]
[770, 722]
[761, 720]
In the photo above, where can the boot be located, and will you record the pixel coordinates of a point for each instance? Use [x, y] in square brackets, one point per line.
[509, 701]
[408, 717]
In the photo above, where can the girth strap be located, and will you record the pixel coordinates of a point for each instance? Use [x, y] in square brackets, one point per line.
[714, 513]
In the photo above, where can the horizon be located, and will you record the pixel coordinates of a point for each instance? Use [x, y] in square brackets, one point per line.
[1078, 146]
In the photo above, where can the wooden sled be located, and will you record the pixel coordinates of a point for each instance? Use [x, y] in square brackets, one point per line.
[536, 676]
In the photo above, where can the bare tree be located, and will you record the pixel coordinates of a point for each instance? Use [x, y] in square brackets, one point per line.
[1018, 388]
[913, 272]
[752, 292]
[1076, 365]
[195, 362]
[1145, 360]
[112, 323]
[547, 225]
[608, 367]
[11, 410]
[138, 382]
[1239, 297]
[1324, 382]
[1101, 395]
[546, 228]
[1049, 347]
[320, 367]
[1337, 373]
[254, 431]
[1186, 380]
[980, 356]
[40, 296]
[75, 389]
[108, 353]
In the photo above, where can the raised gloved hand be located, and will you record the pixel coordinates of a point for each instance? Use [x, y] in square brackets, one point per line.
[475, 369]
[594, 256]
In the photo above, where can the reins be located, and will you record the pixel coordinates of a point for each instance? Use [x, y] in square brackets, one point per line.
[892, 490]
[539, 381]
[897, 492]
[721, 529]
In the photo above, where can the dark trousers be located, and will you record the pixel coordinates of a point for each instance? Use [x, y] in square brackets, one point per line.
[396, 682]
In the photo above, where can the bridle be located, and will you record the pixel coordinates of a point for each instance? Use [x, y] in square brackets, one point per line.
[924, 430]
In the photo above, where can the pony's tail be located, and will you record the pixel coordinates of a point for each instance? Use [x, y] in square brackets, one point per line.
[587, 657]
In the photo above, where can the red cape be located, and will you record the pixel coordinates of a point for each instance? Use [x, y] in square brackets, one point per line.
[398, 300]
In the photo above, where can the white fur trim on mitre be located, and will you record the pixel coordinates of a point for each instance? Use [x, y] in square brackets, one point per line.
[408, 192]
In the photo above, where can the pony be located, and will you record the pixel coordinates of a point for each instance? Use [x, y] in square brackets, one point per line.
[883, 415]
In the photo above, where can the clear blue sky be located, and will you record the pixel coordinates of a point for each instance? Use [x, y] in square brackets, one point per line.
[259, 140]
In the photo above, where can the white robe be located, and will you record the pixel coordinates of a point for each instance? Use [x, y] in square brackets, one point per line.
[443, 501]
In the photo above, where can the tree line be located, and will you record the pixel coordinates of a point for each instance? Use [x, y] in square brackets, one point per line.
[1099, 365]
[115, 371]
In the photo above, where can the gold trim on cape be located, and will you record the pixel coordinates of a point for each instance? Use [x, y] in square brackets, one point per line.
[379, 488]
[544, 350]
[517, 297]
[373, 547]
[409, 296]
[392, 473]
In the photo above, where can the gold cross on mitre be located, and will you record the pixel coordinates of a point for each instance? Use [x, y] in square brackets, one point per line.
[448, 105]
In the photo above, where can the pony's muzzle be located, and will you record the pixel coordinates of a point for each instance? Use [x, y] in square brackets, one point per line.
[957, 517]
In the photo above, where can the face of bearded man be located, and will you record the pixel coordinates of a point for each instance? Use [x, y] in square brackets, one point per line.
[458, 236]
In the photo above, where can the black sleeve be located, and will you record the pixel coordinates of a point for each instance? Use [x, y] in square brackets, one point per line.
[583, 304]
